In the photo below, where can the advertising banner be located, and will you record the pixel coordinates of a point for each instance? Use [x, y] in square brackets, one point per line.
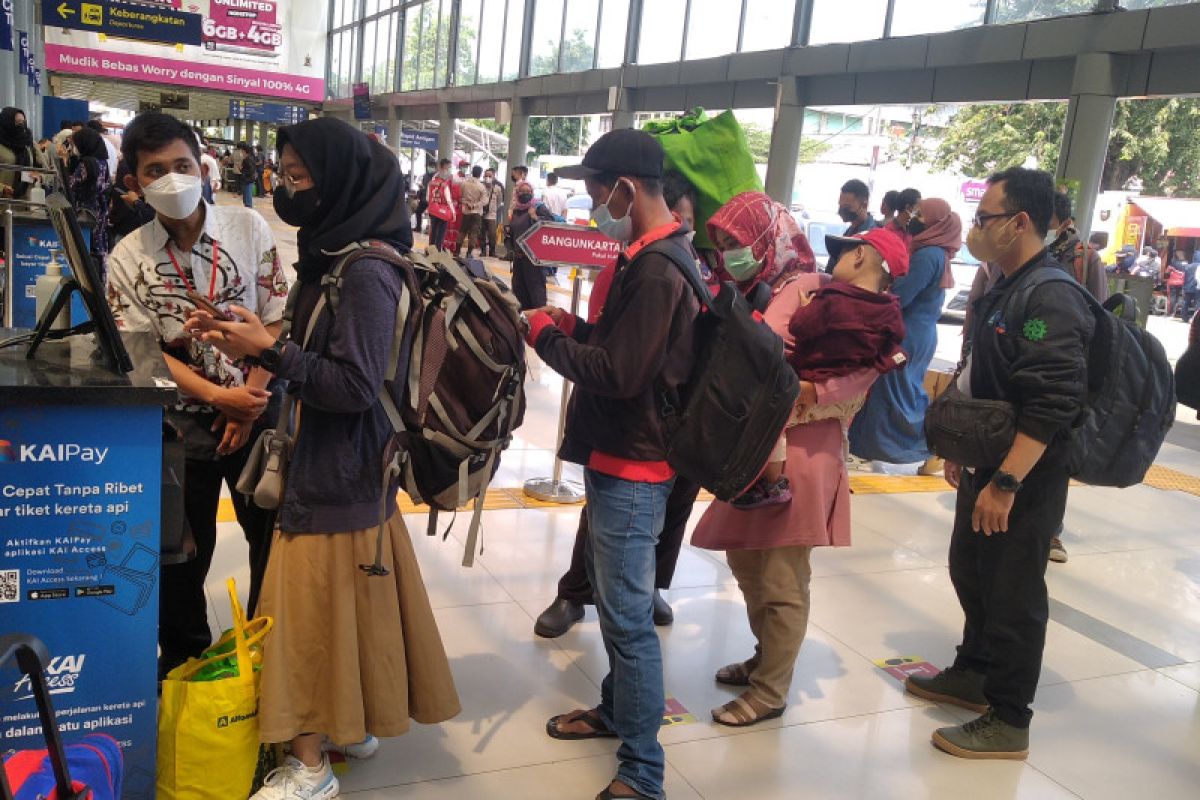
[32, 241]
[23, 52]
[79, 559]
[362, 101]
[6, 23]
[272, 48]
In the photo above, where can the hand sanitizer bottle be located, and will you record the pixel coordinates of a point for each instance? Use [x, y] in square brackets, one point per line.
[45, 288]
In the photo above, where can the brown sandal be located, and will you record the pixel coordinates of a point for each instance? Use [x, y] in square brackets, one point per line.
[745, 710]
[590, 716]
[607, 794]
[734, 674]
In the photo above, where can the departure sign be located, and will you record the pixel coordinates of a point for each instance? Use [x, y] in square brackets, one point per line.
[258, 111]
[551, 244]
[124, 20]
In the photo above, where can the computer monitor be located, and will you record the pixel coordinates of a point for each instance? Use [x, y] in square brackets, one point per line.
[85, 279]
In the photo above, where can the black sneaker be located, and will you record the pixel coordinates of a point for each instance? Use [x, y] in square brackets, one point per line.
[559, 618]
[663, 615]
[958, 687]
[763, 494]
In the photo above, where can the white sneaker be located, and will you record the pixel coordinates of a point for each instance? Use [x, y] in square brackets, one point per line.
[295, 781]
[364, 749]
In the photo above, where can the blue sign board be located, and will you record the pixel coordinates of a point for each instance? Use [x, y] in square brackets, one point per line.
[423, 140]
[32, 241]
[125, 20]
[23, 52]
[6, 21]
[79, 566]
[362, 101]
[258, 111]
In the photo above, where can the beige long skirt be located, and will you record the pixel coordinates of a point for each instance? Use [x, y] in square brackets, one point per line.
[350, 654]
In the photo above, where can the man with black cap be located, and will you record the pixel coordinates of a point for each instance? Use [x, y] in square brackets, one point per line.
[642, 343]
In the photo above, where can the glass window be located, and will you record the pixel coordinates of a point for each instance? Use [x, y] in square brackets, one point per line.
[441, 59]
[380, 71]
[491, 40]
[370, 8]
[512, 39]
[847, 21]
[712, 28]
[547, 33]
[612, 33]
[768, 25]
[368, 64]
[913, 17]
[410, 70]
[662, 31]
[1021, 10]
[468, 41]
[579, 39]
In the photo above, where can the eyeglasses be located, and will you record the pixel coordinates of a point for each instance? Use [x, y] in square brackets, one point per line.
[982, 219]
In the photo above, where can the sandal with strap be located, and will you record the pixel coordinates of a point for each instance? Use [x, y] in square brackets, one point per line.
[590, 716]
[607, 794]
[734, 674]
[745, 710]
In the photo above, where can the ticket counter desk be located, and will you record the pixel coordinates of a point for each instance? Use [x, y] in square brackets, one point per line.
[82, 537]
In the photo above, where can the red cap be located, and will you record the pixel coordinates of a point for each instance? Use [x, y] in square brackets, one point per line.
[887, 243]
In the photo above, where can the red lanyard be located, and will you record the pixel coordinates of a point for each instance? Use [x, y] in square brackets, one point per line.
[212, 282]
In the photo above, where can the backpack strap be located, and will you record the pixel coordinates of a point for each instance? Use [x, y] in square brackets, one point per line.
[683, 258]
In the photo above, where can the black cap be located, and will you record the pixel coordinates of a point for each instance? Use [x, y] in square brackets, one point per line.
[624, 151]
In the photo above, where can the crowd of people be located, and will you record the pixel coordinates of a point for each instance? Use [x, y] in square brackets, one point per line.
[353, 657]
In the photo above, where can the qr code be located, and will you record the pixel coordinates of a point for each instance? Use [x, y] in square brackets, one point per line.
[10, 585]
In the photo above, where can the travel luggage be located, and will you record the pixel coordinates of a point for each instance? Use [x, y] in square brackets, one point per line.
[459, 339]
[91, 769]
[724, 422]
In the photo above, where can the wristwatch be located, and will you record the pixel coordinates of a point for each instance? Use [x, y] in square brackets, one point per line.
[1006, 482]
[269, 359]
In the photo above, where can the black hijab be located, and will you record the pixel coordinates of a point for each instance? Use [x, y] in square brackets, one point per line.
[360, 187]
[91, 151]
[16, 138]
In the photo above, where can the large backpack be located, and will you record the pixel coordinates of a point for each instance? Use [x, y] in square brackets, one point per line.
[458, 365]
[723, 423]
[1131, 391]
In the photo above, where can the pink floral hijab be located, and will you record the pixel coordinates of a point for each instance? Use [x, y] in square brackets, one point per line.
[770, 231]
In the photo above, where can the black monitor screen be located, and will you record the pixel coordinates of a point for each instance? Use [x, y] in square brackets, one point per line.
[83, 269]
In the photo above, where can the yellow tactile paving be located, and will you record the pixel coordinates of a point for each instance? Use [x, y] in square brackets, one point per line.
[509, 499]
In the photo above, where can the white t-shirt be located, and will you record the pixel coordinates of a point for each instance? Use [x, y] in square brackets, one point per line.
[555, 199]
[214, 170]
[146, 293]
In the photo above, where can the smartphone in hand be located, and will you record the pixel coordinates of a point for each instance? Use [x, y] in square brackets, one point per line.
[204, 304]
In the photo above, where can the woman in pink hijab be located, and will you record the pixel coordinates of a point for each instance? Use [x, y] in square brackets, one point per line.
[891, 426]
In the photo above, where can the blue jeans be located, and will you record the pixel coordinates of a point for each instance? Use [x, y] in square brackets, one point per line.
[625, 519]
[248, 194]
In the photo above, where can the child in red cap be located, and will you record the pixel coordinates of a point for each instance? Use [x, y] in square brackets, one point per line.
[847, 325]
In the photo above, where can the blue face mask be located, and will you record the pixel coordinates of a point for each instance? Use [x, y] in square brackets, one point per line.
[618, 229]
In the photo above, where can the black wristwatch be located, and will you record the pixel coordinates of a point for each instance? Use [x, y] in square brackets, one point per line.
[270, 358]
[1006, 482]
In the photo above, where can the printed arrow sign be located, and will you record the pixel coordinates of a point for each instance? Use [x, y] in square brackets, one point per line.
[559, 244]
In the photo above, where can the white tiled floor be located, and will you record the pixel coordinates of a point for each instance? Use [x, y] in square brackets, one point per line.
[1105, 725]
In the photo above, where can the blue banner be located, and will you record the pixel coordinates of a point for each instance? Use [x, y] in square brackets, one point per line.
[362, 101]
[23, 51]
[124, 20]
[79, 565]
[258, 111]
[37, 82]
[6, 23]
[422, 140]
[32, 241]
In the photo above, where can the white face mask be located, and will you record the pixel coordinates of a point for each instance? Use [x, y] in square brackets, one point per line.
[174, 195]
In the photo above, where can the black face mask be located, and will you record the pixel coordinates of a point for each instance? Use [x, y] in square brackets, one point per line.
[299, 209]
[524, 198]
[916, 227]
[846, 214]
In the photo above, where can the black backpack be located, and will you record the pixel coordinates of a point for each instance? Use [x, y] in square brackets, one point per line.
[723, 423]
[1131, 392]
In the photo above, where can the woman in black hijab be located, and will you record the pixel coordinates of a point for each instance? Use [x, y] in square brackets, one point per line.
[354, 654]
[90, 182]
[16, 149]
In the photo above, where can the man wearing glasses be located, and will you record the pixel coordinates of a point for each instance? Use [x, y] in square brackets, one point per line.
[1027, 347]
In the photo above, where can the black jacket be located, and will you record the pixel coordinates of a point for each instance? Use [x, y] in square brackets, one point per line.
[1030, 348]
[643, 339]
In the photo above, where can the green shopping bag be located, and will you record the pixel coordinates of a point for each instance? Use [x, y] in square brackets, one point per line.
[712, 153]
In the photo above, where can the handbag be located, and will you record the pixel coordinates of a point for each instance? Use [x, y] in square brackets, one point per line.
[264, 476]
[208, 716]
[970, 432]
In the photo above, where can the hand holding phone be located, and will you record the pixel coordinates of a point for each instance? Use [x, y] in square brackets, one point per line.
[204, 304]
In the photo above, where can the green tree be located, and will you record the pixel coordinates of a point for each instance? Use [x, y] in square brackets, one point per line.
[427, 45]
[1151, 140]
[758, 139]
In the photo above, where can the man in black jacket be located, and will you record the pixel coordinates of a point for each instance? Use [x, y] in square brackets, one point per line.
[1027, 347]
[641, 343]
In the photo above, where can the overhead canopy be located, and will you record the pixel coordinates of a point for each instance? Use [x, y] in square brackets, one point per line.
[1178, 217]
